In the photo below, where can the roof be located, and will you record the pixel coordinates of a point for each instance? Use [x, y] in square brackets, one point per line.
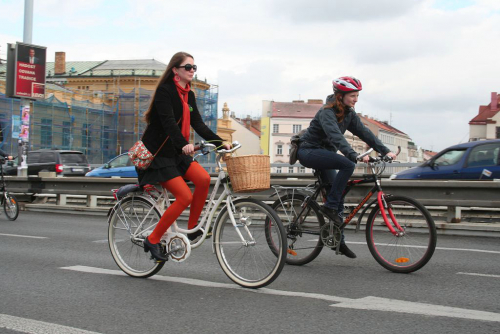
[485, 115]
[142, 67]
[295, 109]
[474, 143]
[384, 126]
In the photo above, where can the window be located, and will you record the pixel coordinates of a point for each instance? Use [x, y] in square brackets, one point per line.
[48, 157]
[276, 128]
[302, 170]
[297, 128]
[289, 149]
[483, 156]
[66, 135]
[279, 149]
[449, 158]
[498, 132]
[46, 133]
[86, 138]
[121, 161]
[278, 170]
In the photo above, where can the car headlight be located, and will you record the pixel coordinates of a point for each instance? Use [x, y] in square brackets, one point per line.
[393, 177]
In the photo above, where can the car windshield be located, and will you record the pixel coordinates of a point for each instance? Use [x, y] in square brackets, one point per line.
[73, 158]
[449, 158]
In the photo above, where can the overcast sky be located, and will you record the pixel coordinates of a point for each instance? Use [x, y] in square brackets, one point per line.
[425, 65]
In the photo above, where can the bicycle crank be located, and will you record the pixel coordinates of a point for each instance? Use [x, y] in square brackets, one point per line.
[177, 246]
[330, 240]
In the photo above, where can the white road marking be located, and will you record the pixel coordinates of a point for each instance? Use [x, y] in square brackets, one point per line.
[477, 274]
[22, 236]
[393, 305]
[437, 248]
[366, 303]
[30, 326]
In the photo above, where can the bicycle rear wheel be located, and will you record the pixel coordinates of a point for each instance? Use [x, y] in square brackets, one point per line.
[251, 262]
[303, 233]
[10, 206]
[410, 249]
[130, 221]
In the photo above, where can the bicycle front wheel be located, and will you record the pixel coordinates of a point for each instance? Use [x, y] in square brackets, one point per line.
[130, 221]
[302, 226]
[243, 249]
[412, 246]
[11, 207]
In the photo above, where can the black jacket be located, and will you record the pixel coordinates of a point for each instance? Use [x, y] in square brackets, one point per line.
[326, 132]
[166, 112]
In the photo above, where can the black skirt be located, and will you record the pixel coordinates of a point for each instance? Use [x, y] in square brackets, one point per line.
[163, 169]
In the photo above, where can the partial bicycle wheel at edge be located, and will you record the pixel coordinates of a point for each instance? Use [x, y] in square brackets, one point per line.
[127, 221]
[11, 207]
[303, 233]
[410, 250]
[250, 262]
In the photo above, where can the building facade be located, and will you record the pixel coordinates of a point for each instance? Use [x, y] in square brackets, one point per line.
[486, 124]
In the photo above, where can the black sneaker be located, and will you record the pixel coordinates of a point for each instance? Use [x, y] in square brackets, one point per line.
[155, 250]
[344, 250]
[195, 235]
[332, 214]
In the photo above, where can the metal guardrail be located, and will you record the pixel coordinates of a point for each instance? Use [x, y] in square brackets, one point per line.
[452, 194]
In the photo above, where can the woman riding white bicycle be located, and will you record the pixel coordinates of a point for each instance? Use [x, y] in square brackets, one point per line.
[325, 136]
[170, 116]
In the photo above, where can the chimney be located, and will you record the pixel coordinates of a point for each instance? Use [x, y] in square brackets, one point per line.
[60, 65]
[494, 101]
[315, 101]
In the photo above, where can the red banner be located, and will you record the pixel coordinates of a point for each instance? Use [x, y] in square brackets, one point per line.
[30, 71]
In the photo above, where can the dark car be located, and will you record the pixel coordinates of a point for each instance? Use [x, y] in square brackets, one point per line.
[62, 162]
[120, 166]
[478, 160]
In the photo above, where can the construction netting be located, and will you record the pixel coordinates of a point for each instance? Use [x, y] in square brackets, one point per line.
[100, 131]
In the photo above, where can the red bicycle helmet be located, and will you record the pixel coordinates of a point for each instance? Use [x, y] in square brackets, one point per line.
[347, 85]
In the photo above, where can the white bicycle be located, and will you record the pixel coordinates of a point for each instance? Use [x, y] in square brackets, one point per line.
[249, 239]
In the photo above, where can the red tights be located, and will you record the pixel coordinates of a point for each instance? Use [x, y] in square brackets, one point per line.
[183, 197]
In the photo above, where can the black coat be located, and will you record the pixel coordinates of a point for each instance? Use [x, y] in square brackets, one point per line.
[166, 112]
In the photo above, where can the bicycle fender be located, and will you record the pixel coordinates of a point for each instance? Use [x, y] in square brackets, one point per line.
[358, 224]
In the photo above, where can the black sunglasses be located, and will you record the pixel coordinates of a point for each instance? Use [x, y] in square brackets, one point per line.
[189, 67]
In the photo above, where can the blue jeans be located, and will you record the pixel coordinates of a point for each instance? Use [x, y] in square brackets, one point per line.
[327, 162]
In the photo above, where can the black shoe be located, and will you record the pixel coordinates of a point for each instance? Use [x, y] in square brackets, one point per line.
[344, 250]
[332, 214]
[155, 250]
[195, 235]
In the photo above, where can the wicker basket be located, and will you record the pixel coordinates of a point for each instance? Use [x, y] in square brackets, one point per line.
[249, 173]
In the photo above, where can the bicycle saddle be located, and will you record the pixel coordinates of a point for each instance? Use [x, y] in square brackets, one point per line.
[123, 191]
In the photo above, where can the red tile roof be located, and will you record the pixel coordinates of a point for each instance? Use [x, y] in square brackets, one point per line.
[295, 109]
[384, 126]
[485, 115]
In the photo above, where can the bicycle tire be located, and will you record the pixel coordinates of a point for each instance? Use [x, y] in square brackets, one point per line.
[124, 220]
[409, 251]
[301, 248]
[253, 264]
[10, 207]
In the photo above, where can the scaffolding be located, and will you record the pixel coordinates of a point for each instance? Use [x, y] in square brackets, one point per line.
[100, 131]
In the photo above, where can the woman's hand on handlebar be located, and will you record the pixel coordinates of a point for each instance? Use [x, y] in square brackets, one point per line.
[227, 146]
[188, 149]
[365, 159]
[391, 155]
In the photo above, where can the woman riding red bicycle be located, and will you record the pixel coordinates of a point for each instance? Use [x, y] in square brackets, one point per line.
[318, 146]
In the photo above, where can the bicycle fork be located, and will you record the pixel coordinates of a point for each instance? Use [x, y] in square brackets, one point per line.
[382, 203]
[243, 221]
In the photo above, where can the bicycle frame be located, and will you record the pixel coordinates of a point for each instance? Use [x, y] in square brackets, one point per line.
[162, 201]
[319, 187]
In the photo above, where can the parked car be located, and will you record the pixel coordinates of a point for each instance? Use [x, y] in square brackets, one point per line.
[478, 160]
[62, 162]
[119, 166]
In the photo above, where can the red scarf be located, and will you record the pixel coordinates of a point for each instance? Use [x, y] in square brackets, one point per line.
[186, 116]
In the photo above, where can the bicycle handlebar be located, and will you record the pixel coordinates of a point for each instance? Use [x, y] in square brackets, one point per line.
[384, 158]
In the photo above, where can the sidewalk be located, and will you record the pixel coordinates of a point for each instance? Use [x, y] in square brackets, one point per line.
[478, 229]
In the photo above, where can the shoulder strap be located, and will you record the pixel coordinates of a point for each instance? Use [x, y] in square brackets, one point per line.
[164, 140]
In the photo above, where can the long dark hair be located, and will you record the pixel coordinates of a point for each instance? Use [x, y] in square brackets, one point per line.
[338, 105]
[176, 61]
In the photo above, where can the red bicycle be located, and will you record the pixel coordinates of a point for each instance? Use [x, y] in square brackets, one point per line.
[400, 232]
